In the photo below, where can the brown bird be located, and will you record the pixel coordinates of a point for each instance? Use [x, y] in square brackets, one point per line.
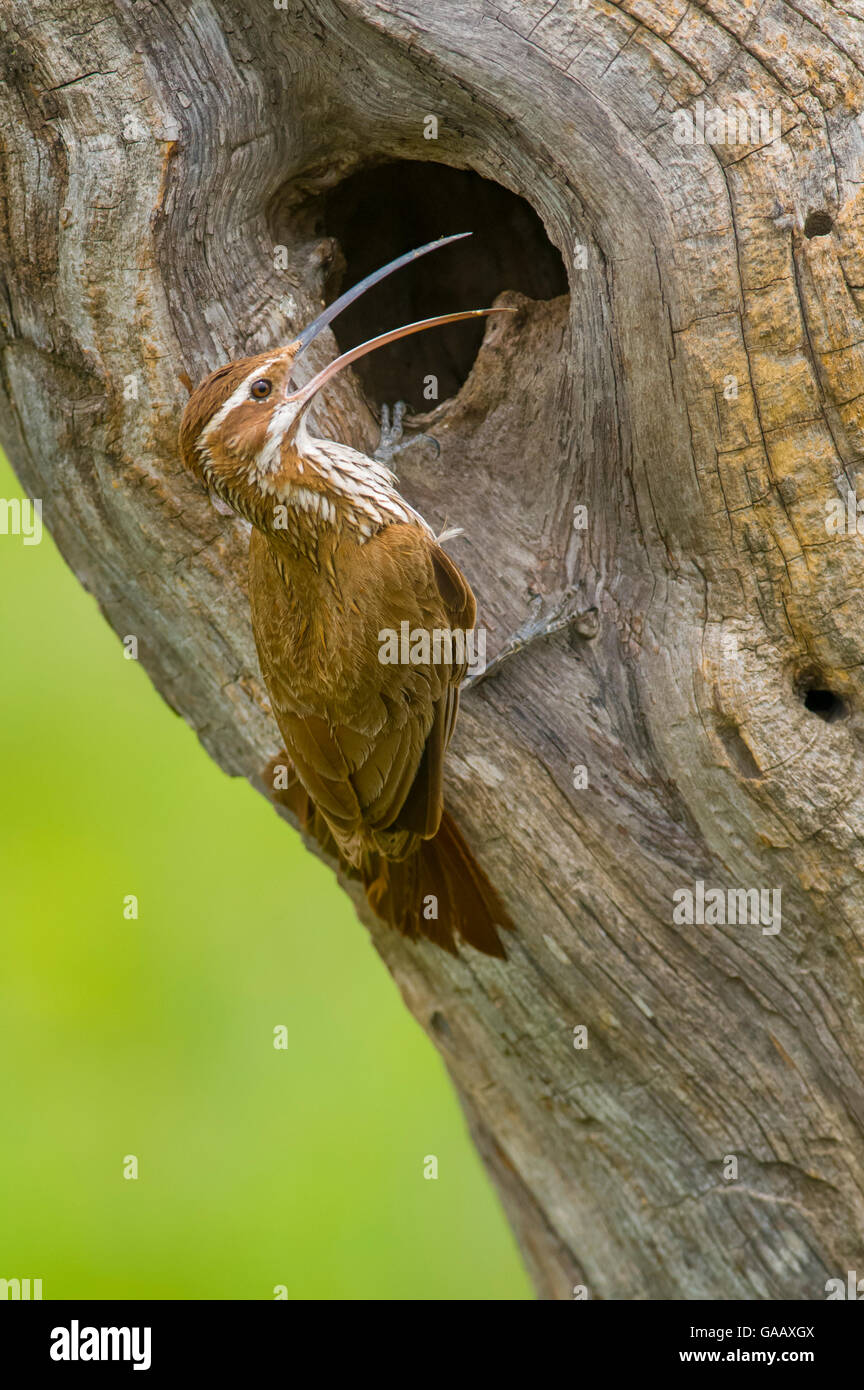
[337, 559]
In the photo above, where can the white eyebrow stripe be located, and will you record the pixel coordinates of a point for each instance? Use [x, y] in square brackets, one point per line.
[236, 398]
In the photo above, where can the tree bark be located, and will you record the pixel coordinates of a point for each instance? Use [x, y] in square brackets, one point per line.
[698, 392]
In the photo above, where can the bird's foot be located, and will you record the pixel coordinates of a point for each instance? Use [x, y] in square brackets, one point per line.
[564, 614]
[391, 441]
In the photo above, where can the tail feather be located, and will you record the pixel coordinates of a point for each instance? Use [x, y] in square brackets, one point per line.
[439, 892]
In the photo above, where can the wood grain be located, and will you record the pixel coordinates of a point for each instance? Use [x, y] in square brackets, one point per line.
[143, 150]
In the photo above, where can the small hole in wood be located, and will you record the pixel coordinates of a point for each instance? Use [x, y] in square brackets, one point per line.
[826, 704]
[818, 224]
[439, 1025]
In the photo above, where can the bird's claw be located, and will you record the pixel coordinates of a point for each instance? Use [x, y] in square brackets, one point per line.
[391, 440]
[565, 613]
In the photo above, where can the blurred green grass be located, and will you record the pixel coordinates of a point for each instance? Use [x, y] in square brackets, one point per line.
[154, 1037]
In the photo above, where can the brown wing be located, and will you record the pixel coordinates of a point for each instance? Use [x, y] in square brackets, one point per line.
[367, 739]
[421, 810]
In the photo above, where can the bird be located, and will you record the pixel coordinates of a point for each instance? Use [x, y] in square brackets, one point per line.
[337, 559]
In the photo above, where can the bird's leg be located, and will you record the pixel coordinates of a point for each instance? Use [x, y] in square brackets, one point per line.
[564, 614]
[390, 441]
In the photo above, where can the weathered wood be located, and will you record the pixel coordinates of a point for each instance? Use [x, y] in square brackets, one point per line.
[698, 391]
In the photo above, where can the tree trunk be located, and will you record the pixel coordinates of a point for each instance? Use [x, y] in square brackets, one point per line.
[697, 393]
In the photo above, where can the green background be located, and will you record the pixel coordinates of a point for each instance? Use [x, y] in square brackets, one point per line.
[154, 1037]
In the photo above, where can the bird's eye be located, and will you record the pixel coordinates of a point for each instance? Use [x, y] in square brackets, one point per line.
[261, 388]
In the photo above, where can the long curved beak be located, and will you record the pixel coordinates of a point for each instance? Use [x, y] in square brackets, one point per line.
[329, 314]
[305, 393]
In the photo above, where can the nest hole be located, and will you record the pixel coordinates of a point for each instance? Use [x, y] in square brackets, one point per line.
[824, 703]
[378, 213]
[818, 224]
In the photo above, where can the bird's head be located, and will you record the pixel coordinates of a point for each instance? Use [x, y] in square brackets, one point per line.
[229, 418]
[239, 419]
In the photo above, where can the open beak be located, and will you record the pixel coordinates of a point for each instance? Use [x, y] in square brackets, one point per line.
[305, 393]
[329, 314]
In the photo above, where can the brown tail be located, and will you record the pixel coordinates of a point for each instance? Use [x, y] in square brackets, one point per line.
[439, 892]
